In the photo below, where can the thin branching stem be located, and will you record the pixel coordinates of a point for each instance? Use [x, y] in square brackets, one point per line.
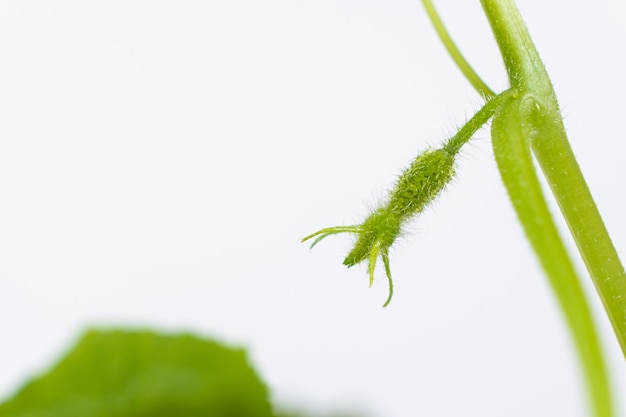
[454, 52]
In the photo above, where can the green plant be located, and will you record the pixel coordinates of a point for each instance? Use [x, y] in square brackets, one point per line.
[526, 121]
[136, 373]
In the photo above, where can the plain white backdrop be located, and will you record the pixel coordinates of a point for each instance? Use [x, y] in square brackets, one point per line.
[160, 160]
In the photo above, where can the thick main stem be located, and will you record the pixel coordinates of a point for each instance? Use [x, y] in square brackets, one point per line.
[535, 123]
[557, 161]
[568, 185]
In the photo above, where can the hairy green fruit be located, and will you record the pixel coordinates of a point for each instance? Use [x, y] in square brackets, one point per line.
[417, 186]
[420, 183]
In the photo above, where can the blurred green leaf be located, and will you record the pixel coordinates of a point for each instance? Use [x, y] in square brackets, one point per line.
[120, 373]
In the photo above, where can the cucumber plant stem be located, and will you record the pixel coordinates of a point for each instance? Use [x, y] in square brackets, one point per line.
[551, 148]
[513, 155]
[533, 122]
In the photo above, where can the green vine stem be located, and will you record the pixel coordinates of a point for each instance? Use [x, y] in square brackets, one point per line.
[513, 155]
[533, 122]
[548, 140]
[553, 152]
[454, 52]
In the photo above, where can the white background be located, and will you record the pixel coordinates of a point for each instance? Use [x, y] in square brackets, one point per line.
[160, 160]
